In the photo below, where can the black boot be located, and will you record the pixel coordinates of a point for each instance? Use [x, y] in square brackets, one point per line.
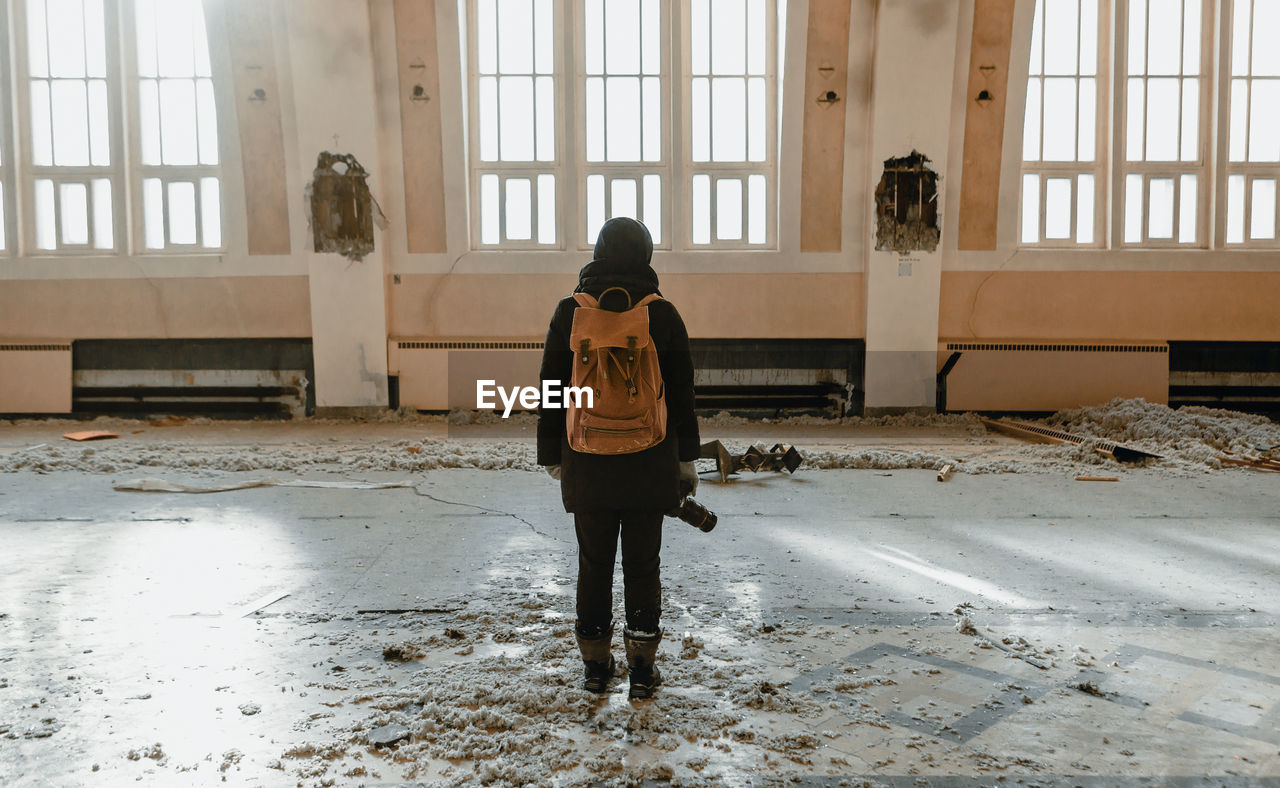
[642, 654]
[597, 660]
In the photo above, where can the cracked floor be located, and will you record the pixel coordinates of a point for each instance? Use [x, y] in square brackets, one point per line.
[838, 627]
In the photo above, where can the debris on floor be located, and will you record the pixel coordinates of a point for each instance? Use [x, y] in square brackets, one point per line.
[754, 459]
[90, 435]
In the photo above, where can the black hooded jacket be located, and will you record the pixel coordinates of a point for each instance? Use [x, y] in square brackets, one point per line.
[647, 479]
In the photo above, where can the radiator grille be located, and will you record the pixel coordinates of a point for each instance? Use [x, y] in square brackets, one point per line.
[1058, 348]
[469, 345]
[11, 348]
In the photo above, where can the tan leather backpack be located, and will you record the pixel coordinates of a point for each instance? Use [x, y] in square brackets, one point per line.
[614, 356]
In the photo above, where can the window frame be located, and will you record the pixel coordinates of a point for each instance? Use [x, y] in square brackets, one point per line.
[1203, 166]
[558, 167]
[1098, 168]
[1226, 168]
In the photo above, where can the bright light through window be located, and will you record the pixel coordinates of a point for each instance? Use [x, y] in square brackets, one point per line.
[1253, 147]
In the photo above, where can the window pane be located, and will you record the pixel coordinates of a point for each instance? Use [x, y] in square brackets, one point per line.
[544, 37]
[1240, 38]
[1030, 208]
[1162, 119]
[622, 111]
[203, 67]
[144, 17]
[1059, 119]
[1191, 37]
[728, 209]
[758, 126]
[95, 39]
[519, 209]
[41, 125]
[1235, 209]
[622, 198]
[46, 218]
[653, 206]
[178, 141]
[1133, 208]
[728, 37]
[593, 27]
[652, 114]
[515, 119]
[621, 36]
[1266, 55]
[73, 200]
[182, 212]
[546, 119]
[37, 42]
[1089, 37]
[489, 212]
[651, 36]
[70, 123]
[595, 206]
[153, 213]
[515, 36]
[207, 119]
[1239, 118]
[728, 116]
[488, 119]
[211, 212]
[546, 209]
[1190, 120]
[701, 209]
[700, 37]
[1187, 210]
[1262, 223]
[99, 133]
[1061, 47]
[1160, 203]
[1164, 40]
[1264, 120]
[595, 119]
[66, 38]
[1134, 121]
[1137, 36]
[1088, 119]
[103, 231]
[1037, 40]
[1031, 122]
[1057, 208]
[1084, 209]
[486, 37]
[175, 55]
[756, 224]
[149, 128]
[701, 120]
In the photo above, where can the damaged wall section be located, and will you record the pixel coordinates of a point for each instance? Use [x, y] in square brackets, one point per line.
[907, 206]
[343, 210]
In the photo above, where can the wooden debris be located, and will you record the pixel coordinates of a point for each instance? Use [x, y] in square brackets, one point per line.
[1097, 478]
[1247, 461]
[945, 473]
[413, 449]
[90, 435]
[1039, 434]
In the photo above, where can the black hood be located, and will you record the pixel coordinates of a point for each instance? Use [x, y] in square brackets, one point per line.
[623, 252]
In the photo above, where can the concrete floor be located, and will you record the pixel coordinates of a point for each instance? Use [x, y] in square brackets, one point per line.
[184, 639]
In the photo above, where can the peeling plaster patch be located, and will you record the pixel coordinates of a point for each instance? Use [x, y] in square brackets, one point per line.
[907, 206]
[343, 210]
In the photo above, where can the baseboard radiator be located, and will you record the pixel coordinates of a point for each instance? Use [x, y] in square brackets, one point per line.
[35, 377]
[441, 374]
[1037, 376]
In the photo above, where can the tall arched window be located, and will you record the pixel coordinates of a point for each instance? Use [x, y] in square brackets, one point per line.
[99, 78]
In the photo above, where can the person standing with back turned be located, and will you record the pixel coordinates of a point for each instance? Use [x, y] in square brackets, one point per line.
[619, 491]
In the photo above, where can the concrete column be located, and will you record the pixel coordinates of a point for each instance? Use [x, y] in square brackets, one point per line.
[915, 54]
[331, 65]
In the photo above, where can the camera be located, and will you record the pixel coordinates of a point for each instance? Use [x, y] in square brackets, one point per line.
[694, 513]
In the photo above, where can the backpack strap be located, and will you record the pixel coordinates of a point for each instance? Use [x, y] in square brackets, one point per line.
[585, 299]
[649, 299]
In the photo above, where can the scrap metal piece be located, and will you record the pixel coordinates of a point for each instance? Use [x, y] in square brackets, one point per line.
[1039, 434]
[755, 459]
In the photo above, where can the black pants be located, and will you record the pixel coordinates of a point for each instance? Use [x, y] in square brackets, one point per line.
[597, 546]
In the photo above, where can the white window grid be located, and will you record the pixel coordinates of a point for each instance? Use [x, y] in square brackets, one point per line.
[1161, 181]
[623, 97]
[6, 153]
[517, 169]
[70, 141]
[729, 196]
[80, 208]
[178, 172]
[1250, 150]
[1063, 178]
